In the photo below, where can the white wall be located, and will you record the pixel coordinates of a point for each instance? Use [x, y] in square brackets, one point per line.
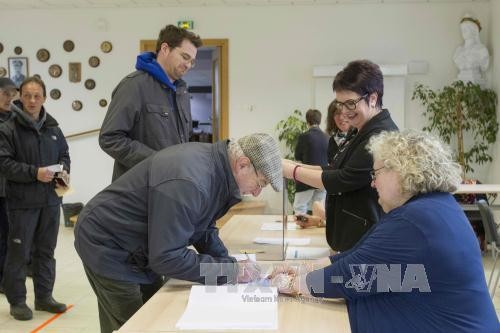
[272, 53]
[494, 174]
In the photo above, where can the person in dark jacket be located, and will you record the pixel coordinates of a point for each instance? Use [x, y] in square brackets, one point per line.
[311, 149]
[31, 143]
[139, 228]
[8, 92]
[420, 268]
[351, 203]
[150, 108]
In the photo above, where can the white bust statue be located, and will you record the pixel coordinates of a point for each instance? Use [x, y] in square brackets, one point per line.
[472, 57]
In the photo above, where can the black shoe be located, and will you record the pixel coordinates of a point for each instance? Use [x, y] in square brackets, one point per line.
[49, 304]
[21, 312]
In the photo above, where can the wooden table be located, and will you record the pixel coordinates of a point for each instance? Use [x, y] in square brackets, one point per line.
[163, 310]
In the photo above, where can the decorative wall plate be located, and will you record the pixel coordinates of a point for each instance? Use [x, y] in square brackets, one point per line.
[94, 61]
[76, 105]
[3, 71]
[55, 70]
[1, 47]
[103, 102]
[106, 47]
[18, 50]
[55, 93]
[89, 84]
[43, 55]
[68, 45]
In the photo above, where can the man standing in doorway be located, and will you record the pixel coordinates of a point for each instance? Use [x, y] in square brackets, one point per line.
[150, 108]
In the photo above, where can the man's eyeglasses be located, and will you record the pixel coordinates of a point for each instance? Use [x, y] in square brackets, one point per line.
[350, 104]
[375, 172]
[9, 93]
[260, 183]
[187, 58]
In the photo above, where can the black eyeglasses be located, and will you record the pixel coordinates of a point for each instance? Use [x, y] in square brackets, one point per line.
[260, 183]
[374, 172]
[350, 104]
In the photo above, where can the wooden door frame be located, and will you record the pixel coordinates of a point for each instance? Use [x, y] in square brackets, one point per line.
[223, 46]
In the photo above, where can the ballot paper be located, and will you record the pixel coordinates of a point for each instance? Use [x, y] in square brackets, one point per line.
[297, 252]
[230, 307]
[278, 240]
[55, 168]
[275, 226]
[241, 256]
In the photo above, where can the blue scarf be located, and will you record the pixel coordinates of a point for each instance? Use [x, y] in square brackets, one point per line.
[147, 62]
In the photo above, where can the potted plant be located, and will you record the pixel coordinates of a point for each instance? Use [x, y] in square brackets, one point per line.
[289, 130]
[460, 109]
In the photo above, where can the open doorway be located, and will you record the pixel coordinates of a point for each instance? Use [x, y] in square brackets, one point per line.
[208, 85]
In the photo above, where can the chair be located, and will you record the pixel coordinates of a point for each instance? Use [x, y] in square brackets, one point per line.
[491, 233]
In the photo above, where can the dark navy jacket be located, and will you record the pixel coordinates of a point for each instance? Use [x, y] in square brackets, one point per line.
[311, 149]
[432, 231]
[141, 225]
[351, 203]
[24, 149]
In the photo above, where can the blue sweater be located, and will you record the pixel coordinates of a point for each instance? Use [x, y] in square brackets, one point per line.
[441, 287]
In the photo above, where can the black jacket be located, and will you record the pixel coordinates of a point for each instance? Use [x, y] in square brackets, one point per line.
[4, 116]
[24, 149]
[311, 149]
[352, 204]
[142, 119]
[141, 225]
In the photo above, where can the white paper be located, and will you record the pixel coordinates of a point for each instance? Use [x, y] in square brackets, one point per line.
[275, 226]
[294, 252]
[278, 240]
[230, 307]
[242, 256]
[55, 167]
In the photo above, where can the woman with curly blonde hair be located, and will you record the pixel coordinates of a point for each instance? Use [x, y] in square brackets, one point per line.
[419, 269]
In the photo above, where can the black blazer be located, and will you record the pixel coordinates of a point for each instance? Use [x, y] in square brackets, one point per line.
[311, 149]
[352, 204]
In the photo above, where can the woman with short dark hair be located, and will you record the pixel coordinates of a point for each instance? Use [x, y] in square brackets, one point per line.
[351, 203]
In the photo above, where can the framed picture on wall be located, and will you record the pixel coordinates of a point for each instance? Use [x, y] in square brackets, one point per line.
[18, 69]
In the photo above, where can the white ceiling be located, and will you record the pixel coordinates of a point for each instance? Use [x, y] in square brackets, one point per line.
[54, 4]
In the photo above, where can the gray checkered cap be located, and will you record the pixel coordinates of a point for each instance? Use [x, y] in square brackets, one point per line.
[265, 155]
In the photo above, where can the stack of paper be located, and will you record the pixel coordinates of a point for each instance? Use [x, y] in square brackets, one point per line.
[230, 307]
[277, 241]
[302, 253]
[274, 226]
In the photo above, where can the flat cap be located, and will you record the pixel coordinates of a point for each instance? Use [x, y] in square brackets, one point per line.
[264, 153]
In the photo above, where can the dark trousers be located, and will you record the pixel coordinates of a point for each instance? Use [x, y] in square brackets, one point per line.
[32, 232]
[118, 300]
[4, 232]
